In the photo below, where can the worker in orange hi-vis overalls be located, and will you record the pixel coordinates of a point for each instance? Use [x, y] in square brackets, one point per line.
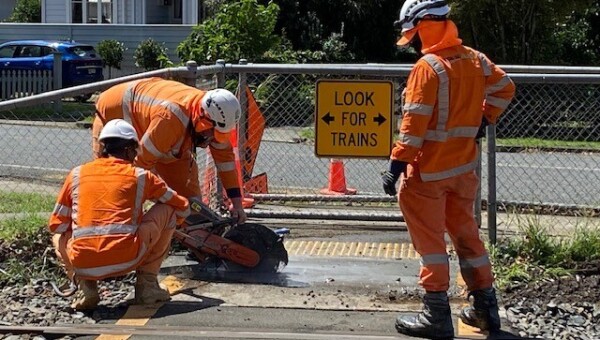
[451, 93]
[171, 120]
[99, 227]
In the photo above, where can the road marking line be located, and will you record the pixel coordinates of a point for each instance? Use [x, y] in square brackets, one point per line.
[351, 249]
[139, 315]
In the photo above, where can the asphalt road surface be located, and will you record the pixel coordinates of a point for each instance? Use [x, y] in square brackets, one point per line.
[32, 152]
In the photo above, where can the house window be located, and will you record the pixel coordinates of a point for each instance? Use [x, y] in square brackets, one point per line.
[92, 11]
[177, 13]
[77, 11]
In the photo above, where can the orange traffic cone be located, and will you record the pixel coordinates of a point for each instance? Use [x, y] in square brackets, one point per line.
[337, 180]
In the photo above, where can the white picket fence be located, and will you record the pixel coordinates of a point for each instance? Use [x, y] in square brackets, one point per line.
[23, 83]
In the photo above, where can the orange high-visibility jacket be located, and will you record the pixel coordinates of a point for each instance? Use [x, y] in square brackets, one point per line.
[101, 202]
[447, 94]
[160, 111]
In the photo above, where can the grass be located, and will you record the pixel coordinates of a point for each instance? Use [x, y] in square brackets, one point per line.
[537, 142]
[11, 202]
[309, 134]
[535, 254]
[19, 228]
[70, 111]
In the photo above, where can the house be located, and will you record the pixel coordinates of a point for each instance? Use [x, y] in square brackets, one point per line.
[168, 22]
[137, 12]
[6, 8]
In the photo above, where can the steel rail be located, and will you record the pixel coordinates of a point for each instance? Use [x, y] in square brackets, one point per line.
[171, 331]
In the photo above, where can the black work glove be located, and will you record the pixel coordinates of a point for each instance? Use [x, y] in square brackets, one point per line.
[391, 175]
[482, 128]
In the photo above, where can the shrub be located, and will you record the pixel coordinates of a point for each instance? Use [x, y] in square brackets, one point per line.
[240, 29]
[27, 11]
[151, 55]
[111, 52]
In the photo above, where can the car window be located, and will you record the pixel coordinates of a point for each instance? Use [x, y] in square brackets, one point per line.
[83, 51]
[29, 51]
[7, 51]
[46, 51]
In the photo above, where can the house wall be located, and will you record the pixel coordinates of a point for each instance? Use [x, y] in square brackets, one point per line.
[6, 8]
[129, 35]
[55, 11]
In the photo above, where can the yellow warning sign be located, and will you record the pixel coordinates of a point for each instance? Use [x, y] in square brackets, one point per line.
[354, 118]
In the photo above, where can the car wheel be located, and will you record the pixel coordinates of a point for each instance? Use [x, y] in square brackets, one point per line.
[83, 98]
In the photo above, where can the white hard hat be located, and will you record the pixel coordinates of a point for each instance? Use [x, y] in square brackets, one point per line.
[224, 109]
[118, 128]
[414, 10]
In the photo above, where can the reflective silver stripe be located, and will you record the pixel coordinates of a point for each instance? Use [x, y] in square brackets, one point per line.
[62, 210]
[227, 166]
[487, 68]
[167, 195]
[434, 259]
[474, 263]
[184, 213]
[127, 101]
[419, 109]
[219, 146]
[176, 110]
[442, 136]
[115, 268]
[139, 194]
[75, 192]
[497, 102]
[147, 143]
[109, 229]
[459, 170]
[502, 83]
[443, 90]
[410, 140]
[63, 227]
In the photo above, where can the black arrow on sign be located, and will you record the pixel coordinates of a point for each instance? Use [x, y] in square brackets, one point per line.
[379, 119]
[328, 118]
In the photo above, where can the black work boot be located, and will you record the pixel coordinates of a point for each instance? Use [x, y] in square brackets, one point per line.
[434, 322]
[484, 312]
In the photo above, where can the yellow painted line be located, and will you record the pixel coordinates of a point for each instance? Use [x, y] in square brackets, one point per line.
[352, 249]
[139, 315]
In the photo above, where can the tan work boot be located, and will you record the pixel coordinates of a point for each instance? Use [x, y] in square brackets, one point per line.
[87, 297]
[148, 291]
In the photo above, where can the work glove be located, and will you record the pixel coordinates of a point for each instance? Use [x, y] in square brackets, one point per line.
[482, 128]
[391, 175]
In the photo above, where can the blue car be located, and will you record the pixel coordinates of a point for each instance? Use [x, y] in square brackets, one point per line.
[81, 64]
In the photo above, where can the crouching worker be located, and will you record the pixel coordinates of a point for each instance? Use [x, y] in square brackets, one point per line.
[100, 230]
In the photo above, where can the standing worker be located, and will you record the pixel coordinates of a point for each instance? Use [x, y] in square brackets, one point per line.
[99, 227]
[451, 93]
[171, 120]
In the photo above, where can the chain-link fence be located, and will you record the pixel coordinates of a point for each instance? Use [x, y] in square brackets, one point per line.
[545, 153]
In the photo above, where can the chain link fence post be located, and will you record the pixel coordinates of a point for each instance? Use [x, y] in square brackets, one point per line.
[491, 202]
[243, 124]
[57, 78]
[191, 77]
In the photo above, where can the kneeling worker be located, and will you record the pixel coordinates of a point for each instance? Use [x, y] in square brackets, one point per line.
[99, 225]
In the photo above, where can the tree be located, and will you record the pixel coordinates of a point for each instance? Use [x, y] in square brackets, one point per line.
[241, 29]
[111, 52]
[150, 55]
[514, 31]
[26, 11]
[366, 26]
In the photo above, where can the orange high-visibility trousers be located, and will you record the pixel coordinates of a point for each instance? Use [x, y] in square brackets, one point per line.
[155, 231]
[180, 175]
[431, 209]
